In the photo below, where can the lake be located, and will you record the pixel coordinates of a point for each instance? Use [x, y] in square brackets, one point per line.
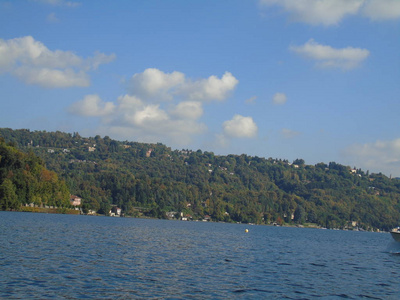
[45, 256]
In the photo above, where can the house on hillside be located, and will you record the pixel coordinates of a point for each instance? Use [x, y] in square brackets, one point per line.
[75, 200]
[207, 218]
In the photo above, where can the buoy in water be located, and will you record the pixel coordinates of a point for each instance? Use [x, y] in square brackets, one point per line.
[246, 230]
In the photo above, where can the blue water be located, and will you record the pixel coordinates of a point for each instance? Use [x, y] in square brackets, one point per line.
[45, 256]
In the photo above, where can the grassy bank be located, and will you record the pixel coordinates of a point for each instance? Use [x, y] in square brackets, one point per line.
[50, 210]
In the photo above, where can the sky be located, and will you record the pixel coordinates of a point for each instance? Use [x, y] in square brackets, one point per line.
[312, 79]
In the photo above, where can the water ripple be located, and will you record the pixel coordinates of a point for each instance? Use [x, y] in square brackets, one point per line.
[78, 257]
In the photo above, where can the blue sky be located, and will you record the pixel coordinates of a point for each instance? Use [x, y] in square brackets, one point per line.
[311, 79]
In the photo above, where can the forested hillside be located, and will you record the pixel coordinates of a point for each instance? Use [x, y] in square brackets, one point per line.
[153, 179]
[25, 180]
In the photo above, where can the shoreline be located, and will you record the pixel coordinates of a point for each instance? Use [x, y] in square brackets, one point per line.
[69, 211]
[45, 210]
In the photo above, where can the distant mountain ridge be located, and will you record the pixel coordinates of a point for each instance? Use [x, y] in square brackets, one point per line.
[153, 180]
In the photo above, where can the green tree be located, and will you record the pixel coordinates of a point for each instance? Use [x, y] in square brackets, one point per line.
[299, 215]
[8, 197]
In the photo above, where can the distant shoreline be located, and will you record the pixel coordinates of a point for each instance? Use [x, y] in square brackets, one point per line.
[77, 212]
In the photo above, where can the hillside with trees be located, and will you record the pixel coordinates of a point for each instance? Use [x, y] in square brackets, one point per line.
[152, 179]
[24, 180]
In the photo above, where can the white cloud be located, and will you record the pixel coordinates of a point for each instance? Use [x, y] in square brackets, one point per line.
[279, 98]
[380, 156]
[329, 57]
[144, 115]
[382, 9]
[211, 88]
[149, 116]
[331, 12]
[128, 103]
[131, 116]
[52, 78]
[288, 133]
[92, 106]
[152, 120]
[315, 12]
[189, 110]
[156, 85]
[240, 127]
[34, 63]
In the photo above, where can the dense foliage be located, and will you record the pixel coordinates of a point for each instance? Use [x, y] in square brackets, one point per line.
[25, 180]
[154, 179]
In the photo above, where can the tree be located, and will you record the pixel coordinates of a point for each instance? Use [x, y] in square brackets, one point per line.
[8, 197]
[299, 162]
[299, 215]
[104, 208]
[312, 217]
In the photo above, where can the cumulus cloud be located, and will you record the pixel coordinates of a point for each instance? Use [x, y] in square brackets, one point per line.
[189, 110]
[150, 115]
[32, 62]
[329, 57]
[161, 107]
[279, 98]
[288, 133]
[212, 88]
[127, 103]
[331, 12]
[153, 123]
[240, 127]
[92, 106]
[52, 78]
[380, 156]
[157, 85]
[382, 9]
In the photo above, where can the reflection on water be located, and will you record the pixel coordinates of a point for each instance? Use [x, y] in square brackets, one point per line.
[52, 256]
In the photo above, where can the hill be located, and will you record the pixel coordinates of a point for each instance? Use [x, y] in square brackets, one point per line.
[25, 180]
[153, 179]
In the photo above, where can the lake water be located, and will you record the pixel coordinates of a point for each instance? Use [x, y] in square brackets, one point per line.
[46, 256]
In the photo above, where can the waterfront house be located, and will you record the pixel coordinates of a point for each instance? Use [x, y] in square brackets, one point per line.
[115, 211]
[75, 200]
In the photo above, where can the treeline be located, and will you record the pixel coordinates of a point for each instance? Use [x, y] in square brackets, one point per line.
[24, 180]
[154, 179]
